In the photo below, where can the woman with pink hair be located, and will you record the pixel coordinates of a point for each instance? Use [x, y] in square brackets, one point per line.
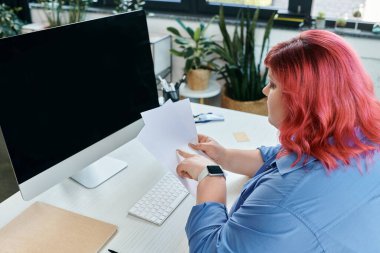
[319, 190]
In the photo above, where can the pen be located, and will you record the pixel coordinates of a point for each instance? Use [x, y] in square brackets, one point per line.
[164, 84]
[177, 84]
[112, 251]
[207, 117]
[173, 92]
[201, 114]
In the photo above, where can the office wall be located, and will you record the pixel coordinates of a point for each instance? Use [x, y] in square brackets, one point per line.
[365, 47]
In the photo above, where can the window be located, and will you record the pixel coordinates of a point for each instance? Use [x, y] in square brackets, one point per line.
[282, 4]
[369, 9]
[291, 12]
[211, 7]
[168, 6]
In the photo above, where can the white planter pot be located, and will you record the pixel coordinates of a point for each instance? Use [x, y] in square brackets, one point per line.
[320, 23]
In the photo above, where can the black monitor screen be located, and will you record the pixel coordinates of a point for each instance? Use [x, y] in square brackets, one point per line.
[63, 89]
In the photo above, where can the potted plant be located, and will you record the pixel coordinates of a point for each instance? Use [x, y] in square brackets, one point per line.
[357, 14]
[128, 5]
[196, 49]
[320, 20]
[10, 24]
[243, 70]
[340, 22]
[376, 28]
[61, 12]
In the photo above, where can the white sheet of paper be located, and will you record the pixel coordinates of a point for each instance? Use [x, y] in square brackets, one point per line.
[168, 128]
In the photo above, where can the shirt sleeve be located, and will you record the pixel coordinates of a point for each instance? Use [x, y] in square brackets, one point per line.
[254, 227]
[268, 152]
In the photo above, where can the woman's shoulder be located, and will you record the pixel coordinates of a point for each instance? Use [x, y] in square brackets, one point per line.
[268, 152]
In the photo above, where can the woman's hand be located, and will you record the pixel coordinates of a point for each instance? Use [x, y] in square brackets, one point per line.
[192, 165]
[211, 148]
[244, 162]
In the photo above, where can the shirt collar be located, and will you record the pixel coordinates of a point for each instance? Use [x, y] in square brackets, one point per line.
[284, 163]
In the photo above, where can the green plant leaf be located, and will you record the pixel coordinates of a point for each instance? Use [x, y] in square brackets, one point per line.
[197, 34]
[223, 29]
[10, 24]
[240, 71]
[202, 26]
[241, 27]
[186, 28]
[196, 49]
[188, 65]
[174, 31]
[188, 52]
[181, 41]
[177, 53]
[210, 22]
[222, 52]
[265, 48]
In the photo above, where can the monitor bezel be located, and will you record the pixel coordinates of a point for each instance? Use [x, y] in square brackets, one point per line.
[48, 178]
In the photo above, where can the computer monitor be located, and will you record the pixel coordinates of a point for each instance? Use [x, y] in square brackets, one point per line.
[72, 94]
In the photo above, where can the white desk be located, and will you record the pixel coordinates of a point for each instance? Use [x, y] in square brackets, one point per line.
[111, 201]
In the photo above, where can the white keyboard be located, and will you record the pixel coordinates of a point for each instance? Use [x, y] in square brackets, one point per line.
[161, 200]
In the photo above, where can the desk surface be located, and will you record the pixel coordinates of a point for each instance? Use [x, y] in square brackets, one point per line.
[111, 201]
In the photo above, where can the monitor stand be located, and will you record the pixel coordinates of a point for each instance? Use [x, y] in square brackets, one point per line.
[99, 172]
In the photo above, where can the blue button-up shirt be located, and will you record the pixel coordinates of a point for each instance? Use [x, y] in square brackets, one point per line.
[295, 209]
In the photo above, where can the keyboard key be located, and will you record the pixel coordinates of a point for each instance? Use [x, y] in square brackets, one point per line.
[161, 200]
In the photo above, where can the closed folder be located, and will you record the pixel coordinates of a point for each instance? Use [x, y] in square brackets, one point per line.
[44, 228]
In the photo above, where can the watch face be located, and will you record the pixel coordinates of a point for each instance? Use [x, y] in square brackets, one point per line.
[214, 169]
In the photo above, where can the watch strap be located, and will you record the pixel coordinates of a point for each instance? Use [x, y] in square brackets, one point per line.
[204, 173]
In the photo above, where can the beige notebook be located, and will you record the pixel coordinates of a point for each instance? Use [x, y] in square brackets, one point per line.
[241, 137]
[44, 228]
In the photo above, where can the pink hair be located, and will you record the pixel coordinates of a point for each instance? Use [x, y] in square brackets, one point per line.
[329, 99]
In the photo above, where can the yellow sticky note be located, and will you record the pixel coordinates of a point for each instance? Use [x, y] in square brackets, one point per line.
[241, 137]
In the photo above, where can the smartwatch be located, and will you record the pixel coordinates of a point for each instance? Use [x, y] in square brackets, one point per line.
[212, 171]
